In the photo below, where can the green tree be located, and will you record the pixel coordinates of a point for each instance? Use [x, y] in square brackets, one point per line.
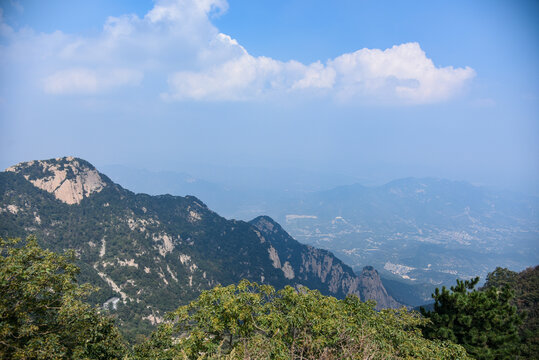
[251, 321]
[499, 278]
[42, 315]
[484, 322]
[526, 287]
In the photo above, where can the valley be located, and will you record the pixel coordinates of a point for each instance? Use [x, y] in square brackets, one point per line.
[419, 233]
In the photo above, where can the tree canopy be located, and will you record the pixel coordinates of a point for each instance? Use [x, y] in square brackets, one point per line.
[42, 312]
[526, 287]
[251, 321]
[485, 322]
[43, 315]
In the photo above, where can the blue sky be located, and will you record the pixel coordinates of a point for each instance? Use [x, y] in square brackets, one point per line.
[371, 89]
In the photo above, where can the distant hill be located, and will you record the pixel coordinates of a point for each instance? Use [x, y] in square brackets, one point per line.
[419, 230]
[410, 293]
[148, 254]
[234, 192]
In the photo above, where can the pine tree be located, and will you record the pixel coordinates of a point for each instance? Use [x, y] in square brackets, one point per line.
[484, 322]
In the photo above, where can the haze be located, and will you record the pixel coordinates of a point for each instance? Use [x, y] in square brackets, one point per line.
[371, 91]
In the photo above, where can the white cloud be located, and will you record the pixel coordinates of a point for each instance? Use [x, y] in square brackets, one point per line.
[176, 46]
[181, 11]
[243, 77]
[316, 76]
[403, 71]
[87, 81]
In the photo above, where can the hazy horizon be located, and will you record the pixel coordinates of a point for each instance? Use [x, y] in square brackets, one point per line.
[356, 90]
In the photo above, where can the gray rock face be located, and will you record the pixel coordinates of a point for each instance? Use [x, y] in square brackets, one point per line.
[371, 288]
[320, 267]
[309, 266]
[69, 179]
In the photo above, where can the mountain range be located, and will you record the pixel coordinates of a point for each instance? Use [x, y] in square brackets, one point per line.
[431, 230]
[149, 254]
[419, 233]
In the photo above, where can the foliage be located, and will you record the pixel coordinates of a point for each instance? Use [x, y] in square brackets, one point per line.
[42, 315]
[251, 321]
[484, 322]
[499, 278]
[114, 227]
[526, 287]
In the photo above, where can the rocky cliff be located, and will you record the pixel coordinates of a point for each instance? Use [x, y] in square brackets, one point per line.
[371, 288]
[320, 267]
[305, 263]
[154, 253]
[70, 180]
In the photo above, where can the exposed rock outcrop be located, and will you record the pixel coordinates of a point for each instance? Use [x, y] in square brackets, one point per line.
[371, 288]
[307, 264]
[157, 252]
[68, 178]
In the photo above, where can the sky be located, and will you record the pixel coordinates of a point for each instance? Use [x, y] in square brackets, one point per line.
[374, 90]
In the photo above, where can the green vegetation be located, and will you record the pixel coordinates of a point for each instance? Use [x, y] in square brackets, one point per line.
[484, 322]
[526, 288]
[136, 241]
[251, 321]
[158, 253]
[42, 315]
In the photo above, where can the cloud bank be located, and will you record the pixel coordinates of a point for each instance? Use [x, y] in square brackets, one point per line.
[186, 57]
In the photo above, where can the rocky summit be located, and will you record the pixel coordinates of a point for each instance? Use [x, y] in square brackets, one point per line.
[149, 254]
[68, 179]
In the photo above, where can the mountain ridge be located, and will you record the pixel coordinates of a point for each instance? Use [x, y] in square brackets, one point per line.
[425, 229]
[155, 252]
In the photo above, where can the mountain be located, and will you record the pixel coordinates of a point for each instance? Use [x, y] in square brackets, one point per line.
[372, 288]
[320, 266]
[149, 254]
[410, 293]
[174, 183]
[232, 191]
[421, 231]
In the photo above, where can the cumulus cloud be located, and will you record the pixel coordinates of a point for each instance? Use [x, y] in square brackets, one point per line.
[243, 77]
[176, 45]
[403, 70]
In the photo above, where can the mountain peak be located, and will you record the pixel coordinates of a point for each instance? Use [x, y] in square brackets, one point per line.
[68, 178]
[371, 287]
[265, 223]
